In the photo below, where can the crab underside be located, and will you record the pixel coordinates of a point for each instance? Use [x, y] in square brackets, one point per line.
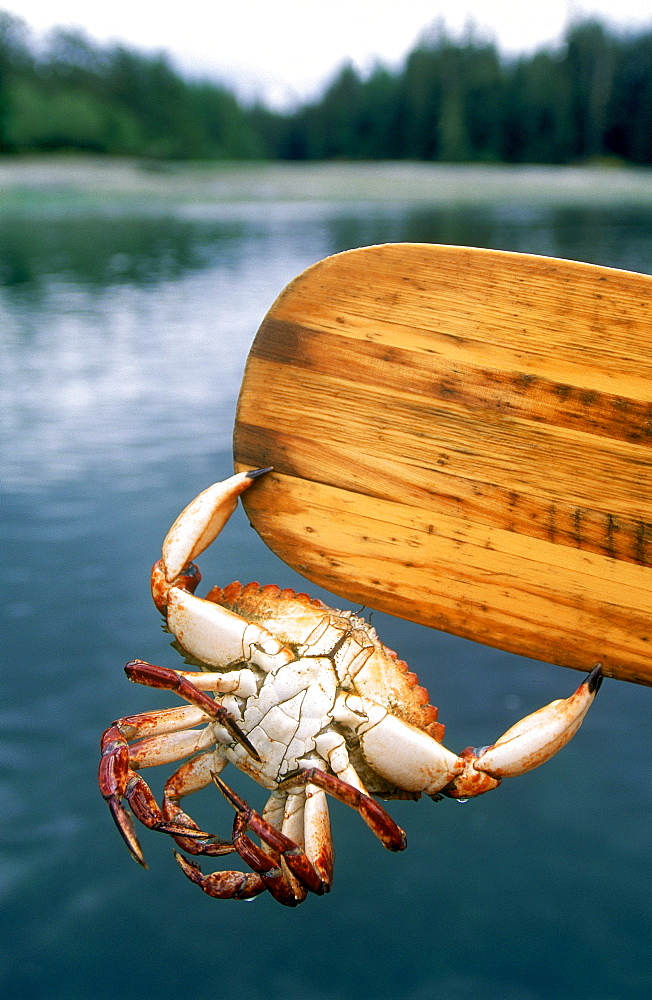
[308, 702]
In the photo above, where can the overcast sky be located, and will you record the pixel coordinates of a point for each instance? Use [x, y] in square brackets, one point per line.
[284, 50]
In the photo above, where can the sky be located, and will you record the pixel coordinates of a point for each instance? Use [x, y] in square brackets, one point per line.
[284, 51]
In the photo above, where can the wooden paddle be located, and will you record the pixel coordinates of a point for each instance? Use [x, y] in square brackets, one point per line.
[463, 438]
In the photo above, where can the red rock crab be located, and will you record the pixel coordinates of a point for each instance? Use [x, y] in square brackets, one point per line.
[307, 701]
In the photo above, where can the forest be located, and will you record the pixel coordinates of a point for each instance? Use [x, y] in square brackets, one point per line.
[452, 100]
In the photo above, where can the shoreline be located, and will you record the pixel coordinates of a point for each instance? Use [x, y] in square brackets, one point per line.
[86, 181]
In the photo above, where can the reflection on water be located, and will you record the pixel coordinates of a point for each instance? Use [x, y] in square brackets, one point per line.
[123, 343]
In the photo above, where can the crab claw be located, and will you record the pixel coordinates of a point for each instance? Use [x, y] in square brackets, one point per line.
[196, 527]
[529, 743]
[201, 521]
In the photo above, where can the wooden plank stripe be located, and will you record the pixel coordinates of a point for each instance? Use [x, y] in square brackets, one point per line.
[479, 390]
[435, 464]
[412, 565]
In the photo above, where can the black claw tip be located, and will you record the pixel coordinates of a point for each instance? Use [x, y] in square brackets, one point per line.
[595, 678]
[249, 747]
[190, 868]
[255, 473]
[232, 727]
[126, 828]
[228, 793]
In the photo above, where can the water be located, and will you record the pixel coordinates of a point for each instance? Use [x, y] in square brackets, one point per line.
[123, 343]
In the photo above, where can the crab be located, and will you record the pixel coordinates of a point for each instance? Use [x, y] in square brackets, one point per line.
[307, 701]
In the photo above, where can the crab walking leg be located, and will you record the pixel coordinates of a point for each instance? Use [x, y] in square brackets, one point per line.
[162, 750]
[282, 840]
[311, 866]
[305, 821]
[170, 747]
[293, 827]
[308, 855]
[162, 677]
[191, 777]
[297, 848]
[318, 841]
[281, 847]
[377, 819]
[284, 812]
[265, 863]
[529, 743]
[118, 780]
[222, 885]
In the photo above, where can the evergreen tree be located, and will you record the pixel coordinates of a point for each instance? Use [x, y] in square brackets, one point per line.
[452, 100]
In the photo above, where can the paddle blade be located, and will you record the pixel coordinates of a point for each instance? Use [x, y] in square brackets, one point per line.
[462, 438]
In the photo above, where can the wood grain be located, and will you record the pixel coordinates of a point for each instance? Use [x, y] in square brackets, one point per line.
[463, 438]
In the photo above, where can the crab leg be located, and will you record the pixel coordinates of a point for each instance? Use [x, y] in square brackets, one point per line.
[169, 739]
[280, 851]
[377, 819]
[162, 677]
[268, 863]
[305, 820]
[317, 840]
[118, 780]
[285, 813]
[280, 881]
[297, 852]
[191, 777]
[222, 885]
[311, 866]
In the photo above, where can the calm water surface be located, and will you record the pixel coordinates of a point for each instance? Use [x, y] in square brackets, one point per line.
[123, 344]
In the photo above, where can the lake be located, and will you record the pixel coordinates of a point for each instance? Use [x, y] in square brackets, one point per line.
[126, 314]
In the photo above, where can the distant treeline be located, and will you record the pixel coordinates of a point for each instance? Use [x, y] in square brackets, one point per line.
[452, 100]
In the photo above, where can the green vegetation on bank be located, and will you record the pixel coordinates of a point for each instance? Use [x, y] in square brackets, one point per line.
[451, 101]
